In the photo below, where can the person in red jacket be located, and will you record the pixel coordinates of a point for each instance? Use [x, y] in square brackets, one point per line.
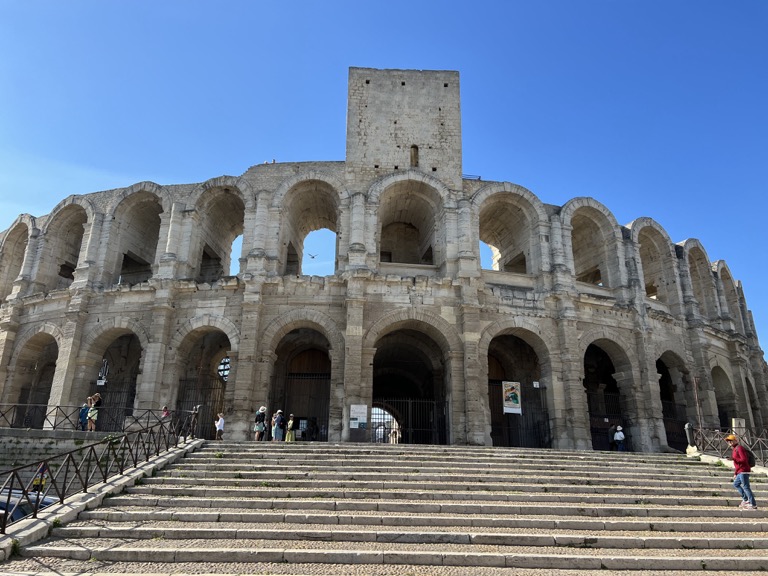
[741, 470]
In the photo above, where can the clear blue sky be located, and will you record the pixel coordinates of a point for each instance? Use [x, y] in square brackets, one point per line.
[654, 107]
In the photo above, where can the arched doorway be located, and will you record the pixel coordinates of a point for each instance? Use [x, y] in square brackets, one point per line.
[302, 385]
[203, 383]
[34, 373]
[116, 382]
[673, 405]
[724, 396]
[511, 359]
[409, 387]
[603, 397]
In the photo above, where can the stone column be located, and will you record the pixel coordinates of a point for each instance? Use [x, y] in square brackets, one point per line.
[357, 240]
[167, 264]
[247, 391]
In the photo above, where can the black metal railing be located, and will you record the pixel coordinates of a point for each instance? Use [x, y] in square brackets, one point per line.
[712, 441]
[44, 417]
[31, 486]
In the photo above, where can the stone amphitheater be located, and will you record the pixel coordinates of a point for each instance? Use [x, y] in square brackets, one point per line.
[577, 324]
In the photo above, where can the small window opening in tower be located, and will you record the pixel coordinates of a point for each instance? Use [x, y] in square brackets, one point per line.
[402, 83]
[414, 156]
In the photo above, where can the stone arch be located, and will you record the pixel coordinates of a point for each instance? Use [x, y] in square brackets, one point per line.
[133, 234]
[676, 393]
[13, 252]
[304, 204]
[278, 198]
[440, 330]
[411, 219]
[220, 208]
[146, 187]
[615, 340]
[701, 278]
[118, 324]
[731, 295]
[24, 372]
[236, 185]
[515, 349]
[657, 262]
[382, 184]
[509, 219]
[63, 237]
[595, 242]
[726, 398]
[283, 324]
[226, 326]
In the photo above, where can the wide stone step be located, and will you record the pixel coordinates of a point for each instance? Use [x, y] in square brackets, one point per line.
[492, 506]
[283, 532]
[238, 471]
[377, 481]
[394, 553]
[380, 490]
[151, 525]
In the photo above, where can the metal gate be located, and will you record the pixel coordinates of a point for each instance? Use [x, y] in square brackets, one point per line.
[529, 429]
[208, 394]
[674, 424]
[307, 397]
[417, 421]
[117, 398]
[604, 412]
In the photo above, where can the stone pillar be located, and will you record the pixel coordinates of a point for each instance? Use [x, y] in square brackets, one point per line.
[354, 391]
[167, 264]
[28, 265]
[577, 435]
[157, 386]
[254, 236]
[357, 240]
[87, 269]
[9, 326]
[247, 392]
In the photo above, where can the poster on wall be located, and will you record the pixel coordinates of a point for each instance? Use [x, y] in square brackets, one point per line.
[358, 416]
[512, 400]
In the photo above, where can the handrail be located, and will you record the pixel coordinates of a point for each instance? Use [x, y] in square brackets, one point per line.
[44, 417]
[713, 441]
[78, 470]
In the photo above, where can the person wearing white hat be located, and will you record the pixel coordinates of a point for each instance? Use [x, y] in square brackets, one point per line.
[260, 424]
[619, 439]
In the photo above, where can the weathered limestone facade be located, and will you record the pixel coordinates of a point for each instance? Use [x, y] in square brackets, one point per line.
[599, 322]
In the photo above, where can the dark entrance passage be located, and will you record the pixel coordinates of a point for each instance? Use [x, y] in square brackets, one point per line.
[208, 395]
[408, 384]
[529, 429]
[603, 398]
[205, 379]
[302, 384]
[674, 412]
[510, 358]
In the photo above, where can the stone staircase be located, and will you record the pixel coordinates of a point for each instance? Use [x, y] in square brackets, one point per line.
[396, 509]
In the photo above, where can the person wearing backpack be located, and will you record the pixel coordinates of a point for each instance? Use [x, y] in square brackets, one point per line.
[279, 427]
[741, 470]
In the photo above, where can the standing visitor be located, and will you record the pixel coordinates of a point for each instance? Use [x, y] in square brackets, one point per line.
[741, 470]
[290, 434]
[260, 424]
[94, 403]
[220, 427]
[83, 417]
[619, 439]
[279, 427]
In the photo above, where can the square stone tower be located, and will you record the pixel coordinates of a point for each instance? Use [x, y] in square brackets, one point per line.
[404, 120]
